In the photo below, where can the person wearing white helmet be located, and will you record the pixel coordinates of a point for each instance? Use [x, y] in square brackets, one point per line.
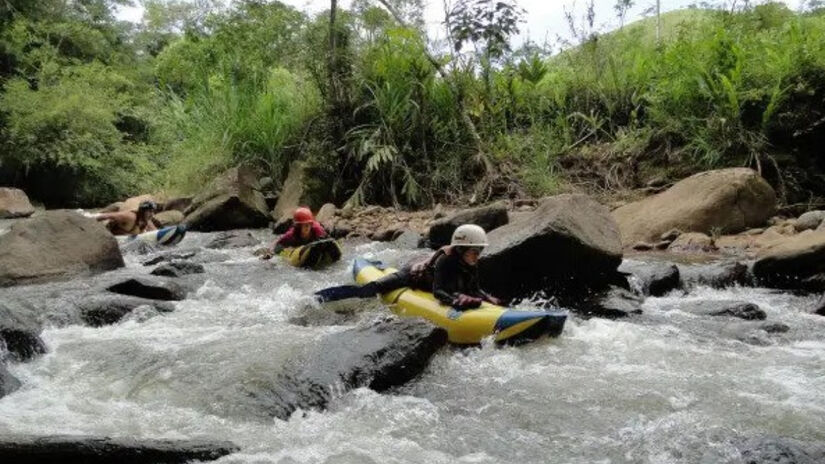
[455, 270]
[451, 274]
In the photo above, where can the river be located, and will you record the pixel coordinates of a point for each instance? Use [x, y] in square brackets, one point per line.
[667, 387]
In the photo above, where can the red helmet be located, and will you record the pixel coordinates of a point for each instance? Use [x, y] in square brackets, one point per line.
[302, 216]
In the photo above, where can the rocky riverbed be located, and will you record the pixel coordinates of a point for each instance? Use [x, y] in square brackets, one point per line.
[682, 382]
[706, 344]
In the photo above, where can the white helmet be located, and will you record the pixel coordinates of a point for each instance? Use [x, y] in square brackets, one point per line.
[469, 235]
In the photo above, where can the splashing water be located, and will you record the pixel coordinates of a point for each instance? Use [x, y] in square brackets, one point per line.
[671, 387]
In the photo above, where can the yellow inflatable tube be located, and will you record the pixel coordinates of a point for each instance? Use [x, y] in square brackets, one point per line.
[464, 327]
[313, 255]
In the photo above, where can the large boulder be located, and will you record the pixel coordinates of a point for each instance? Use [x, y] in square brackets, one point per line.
[8, 383]
[569, 243]
[796, 262]
[293, 193]
[20, 330]
[14, 203]
[487, 217]
[169, 218]
[55, 245]
[76, 449]
[727, 201]
[381, 356]
[177, 204]
[231, 201]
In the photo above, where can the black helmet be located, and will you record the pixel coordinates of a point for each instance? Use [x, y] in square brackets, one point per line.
[148, 205]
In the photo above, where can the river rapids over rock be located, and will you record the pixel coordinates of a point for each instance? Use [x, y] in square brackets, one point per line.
[668, 386]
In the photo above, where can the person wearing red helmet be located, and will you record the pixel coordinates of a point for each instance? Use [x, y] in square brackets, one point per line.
[305, 229]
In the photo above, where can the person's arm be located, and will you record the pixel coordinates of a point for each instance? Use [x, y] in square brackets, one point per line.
[444, 284]
[318, 230]
[285, 240]
[150, 226]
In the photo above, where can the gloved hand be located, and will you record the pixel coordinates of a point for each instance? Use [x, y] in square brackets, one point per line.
[466, 302]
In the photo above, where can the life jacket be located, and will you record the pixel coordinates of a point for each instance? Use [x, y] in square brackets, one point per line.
[423, 270]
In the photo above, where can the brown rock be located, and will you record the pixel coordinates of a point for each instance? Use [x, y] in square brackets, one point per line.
[178, 204]
[326, 213]
[231, 201]
[670, 235]
[293, 193]
[14, 203]
[789, 262]
[171, 217]
[692, 242]
[727, 200]
[642, 246]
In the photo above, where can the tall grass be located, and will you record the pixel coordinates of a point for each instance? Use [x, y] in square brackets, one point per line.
[259, 123]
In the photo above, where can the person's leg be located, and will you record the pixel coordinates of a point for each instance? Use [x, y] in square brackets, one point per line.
[387, 283]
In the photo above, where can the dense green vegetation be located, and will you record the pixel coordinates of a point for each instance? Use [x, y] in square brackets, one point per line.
[93, 109]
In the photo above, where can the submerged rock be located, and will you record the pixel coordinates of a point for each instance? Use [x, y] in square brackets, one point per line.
[14, 203]
[56, 245]
[152, 289]
[612, 303]
[380, 356]
[231, 201]
[727, 200]
[169, 256]
[178, 269]
[569, 245]
[716, 275]
[233, 239]
[488, 218]
[77, 449]
[8, 383]
[100, 310]
[737, 309]
[654, 279]
[20, 331]
[779, 450]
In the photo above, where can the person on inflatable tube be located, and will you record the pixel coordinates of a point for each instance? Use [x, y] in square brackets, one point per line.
[451, 273]
[131, 222]
[305, 230]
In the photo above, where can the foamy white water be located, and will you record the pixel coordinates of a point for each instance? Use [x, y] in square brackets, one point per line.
[671, 387]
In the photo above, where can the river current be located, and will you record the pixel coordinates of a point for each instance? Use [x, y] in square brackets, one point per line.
[667, 387]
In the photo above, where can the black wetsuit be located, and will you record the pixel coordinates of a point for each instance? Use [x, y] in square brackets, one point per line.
[444, 274]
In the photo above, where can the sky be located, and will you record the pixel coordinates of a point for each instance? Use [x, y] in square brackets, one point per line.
[545, 19]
